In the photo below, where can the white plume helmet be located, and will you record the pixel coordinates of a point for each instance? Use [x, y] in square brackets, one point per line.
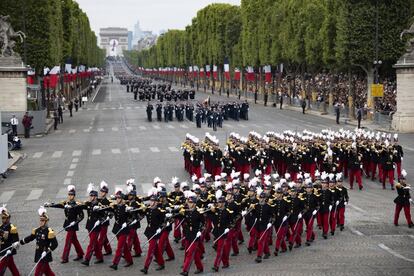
[196, 187]
[188, 194]
[217, 184]
[404, 173]
[338, 176]
[331, 176]
[236, 181]
[275, 175]
[217, 177]
[91, 188]
[223, 175]
[174, 180]
[130, 181]
[160, 186]
[206, 175]
[183, 184]
[252, 183]
[130, 188]
[201, 180]
[229, 186]
[246, 176]
[395, 136]
[219, 193]
[152, 191]
[71, 188]
[118, 189]
[194, 178]
[282, 181]
[317, 173]
[308, 181]
[306, 175]
[324, 175]
[287, 175]
[156, 180]
[267, 177]
[3, 208]
[104, 184]
[291, 184]
[257, 172]
[259, 190]
[41, 211]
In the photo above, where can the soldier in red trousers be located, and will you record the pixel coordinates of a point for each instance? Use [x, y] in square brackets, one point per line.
[403, 200]
[8, 238]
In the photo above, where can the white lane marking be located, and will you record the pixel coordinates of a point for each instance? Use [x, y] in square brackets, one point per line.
[156, 126]
[154, 149]
[128, 128]
[77, 153]
[104, 108]
[73, 166]
[72, 131]
[57, 154]
[128, 107]
[170, 126]
[86, 130]
[113, 108]
[142, 128]
[183, 126]
[357, 208]
[96, 152]
[34, 194]
[70, 173]
[356, 232]
[241, 125]
[100, 129]
[120, 108]
[116, 151]
[392, 252]
[173, 149]
[408, 148]
[134, 150]
[6, 196]
[62, 193]
[227, 125]
[137, 107]
[38, 155]
[67, 181]
[115, 129]
[75, 160]
[58, 131]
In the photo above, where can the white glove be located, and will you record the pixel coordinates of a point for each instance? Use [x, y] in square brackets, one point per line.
[95, 208]
[168, 215]
[176, 207]
[402, 158]
[8, 252]
[269, 225]
[243, 213]
[411, 200]
[330, 207]
[43, 254]
[210, 205]
[345, 203]
[300, 216]
[158, 230]
[97, 223]
[314, 212]
[198, 234]
[284, 218]
[168, 224]
[71, 224]
[226, 230]
[67, 206]
[337, 202]
[112, 197]
[360, 166]
[128, 208]
[133, 222]
[16, 245]
[316, 159]
[47, 204]
[124, 225]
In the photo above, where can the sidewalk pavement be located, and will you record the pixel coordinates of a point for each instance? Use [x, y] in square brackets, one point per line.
[17, 156]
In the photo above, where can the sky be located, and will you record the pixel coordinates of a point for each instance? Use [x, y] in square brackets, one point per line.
[153, 15]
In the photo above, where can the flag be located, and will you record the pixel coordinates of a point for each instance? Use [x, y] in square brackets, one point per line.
[54, 76]
[226, 69]
[237, 74]
[30, 76]
[215, 72]
[46, 71]
[250, 74]
[202, 72]
[195, 71]
[268, 73]
[208, 69]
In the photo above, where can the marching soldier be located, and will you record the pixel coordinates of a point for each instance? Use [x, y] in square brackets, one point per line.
[103, 233]
[133, 239]
[164, 242]
[281, 213]
[325, 204]
[311, 205]
[159, 112]
[295, 219]
[9, 238]
[93, 225]
[192, 229]
[355, 165]
[120, 230]
[388, 167]
[73, 215]
[155, 219]
[343, 201]
[46, 243]
[403, 200]
[398, 155]
[149, 111]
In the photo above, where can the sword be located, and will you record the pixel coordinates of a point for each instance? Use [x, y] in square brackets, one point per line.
[153, 236]
[124, 225]
[225, 232]
[296, 224]
[269, 225]
[7, 254]
[97, 223]
[178, 226]
[197, 236]
[70, 225]
[251, 228]
[41, 258]
[280, 226]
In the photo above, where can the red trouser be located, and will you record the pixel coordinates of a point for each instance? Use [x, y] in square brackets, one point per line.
[93, 246]
[196, 171]
[133, 241]
[216, 170]
[71, 238]
[309, 228]
[164, 244]
[280, 237]
[263, 242]
[345, 168]
[407, 213]
[221, 257]
[207, 230]
[372, 169]
[8, 262]
[325, 222]
[177, 229]
[390, 175]
[245, 169]
[355, 173]
[194, 252]
[232, 241]
[153, 250]
[103, 240]
[312, 169]
[380, 172]
[43, 268]
[296, 232]
[332, 219]
[253, 238]
[340, 214]
[122, 250]
[239, 233]
[398, 169]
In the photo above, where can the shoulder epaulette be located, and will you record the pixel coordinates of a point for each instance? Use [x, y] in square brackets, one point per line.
[13, 229]
[34, 231]
[230, 211]
[51, 234]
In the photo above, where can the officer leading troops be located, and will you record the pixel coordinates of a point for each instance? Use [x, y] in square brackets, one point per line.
[403, 200]
[8, 237]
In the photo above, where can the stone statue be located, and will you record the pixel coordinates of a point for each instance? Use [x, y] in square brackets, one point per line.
[6, 37]
[410, 42]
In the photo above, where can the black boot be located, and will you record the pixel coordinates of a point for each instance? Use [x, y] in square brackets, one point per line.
[144, 270]
[161, 267]
[114, 267]
[85, 262]
[258, 259]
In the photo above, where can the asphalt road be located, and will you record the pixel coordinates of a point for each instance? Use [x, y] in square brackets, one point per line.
[110, 139]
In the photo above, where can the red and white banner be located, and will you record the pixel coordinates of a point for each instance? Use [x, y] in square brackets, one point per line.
[237, 74]
[202, 72]
[208, 70]
[268, 73]
[227, 71]
[54, 77]
[215, 75]
[250, 74]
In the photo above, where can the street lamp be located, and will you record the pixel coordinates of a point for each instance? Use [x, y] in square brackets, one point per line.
[377, 64]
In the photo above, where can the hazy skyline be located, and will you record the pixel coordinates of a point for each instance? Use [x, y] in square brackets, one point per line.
[154, 15]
